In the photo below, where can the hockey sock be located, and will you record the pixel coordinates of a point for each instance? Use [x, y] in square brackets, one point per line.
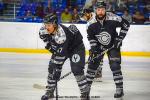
[82, 83]
[118, 78]
[51, 83]
[90, 75]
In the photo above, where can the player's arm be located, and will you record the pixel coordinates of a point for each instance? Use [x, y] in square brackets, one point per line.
[43, 34]
[92, 39]
[124, 24]
[75, 37]
[73, 29]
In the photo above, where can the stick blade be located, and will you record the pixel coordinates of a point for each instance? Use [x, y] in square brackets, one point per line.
[38, 86]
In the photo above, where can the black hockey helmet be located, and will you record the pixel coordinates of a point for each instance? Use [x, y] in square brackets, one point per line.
[51, 18]
[100, 4]
[88, 10]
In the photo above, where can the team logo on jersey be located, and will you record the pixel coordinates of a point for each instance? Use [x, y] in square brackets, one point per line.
[75, 58]
[104, 38]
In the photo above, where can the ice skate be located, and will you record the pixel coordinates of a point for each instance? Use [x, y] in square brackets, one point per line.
[85, 96]
[48, 96]
[98, 76]
[119, 94]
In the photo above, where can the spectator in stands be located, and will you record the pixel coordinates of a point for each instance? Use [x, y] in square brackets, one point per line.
[89, 3]
[127, 16]
[132, 2]
[66, 16]
[147, 8]
[48, 10]
[28, 14]
[75, 16]
[121, 4]
[40, 10]
[114, 5]
[138, 18]
[109, 6]
[1, 8]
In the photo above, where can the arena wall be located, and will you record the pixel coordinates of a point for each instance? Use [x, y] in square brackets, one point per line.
[17, 35]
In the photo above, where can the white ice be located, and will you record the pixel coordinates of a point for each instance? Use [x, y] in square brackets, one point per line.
[18, 73]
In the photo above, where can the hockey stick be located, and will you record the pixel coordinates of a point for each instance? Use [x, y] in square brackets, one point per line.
[38, 86]
[56, 85]
[102, 53]
[67, 74]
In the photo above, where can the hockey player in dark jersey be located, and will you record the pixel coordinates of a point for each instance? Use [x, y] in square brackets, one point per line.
[63, 42]
[102, 36]
[89, 16]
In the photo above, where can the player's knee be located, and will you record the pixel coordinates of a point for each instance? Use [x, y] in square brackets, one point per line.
[114, 66]
[57, 74]
[93, 66]
[50, 69]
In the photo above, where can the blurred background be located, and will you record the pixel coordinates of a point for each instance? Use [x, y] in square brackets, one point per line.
[135, 11]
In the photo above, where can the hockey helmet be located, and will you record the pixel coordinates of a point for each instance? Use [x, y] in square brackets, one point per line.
[100, 4]
[88, 10]
[51, 18]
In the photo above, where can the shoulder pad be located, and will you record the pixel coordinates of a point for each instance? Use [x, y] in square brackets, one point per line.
[112, 16]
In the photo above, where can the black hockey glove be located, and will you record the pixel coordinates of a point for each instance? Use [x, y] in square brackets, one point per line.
[118, 42]
[49, 48]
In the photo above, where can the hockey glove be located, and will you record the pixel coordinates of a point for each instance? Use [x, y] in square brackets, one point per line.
[44, 34]
[118, 42]
[49, 48]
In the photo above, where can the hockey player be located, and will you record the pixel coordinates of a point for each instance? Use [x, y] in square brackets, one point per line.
[63, 43]
[102, 36]
[89, 16]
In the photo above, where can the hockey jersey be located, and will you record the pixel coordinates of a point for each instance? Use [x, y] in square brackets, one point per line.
[102, 34]
[63, 41]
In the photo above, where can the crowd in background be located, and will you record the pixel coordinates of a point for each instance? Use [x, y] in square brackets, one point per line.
[135, 11]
